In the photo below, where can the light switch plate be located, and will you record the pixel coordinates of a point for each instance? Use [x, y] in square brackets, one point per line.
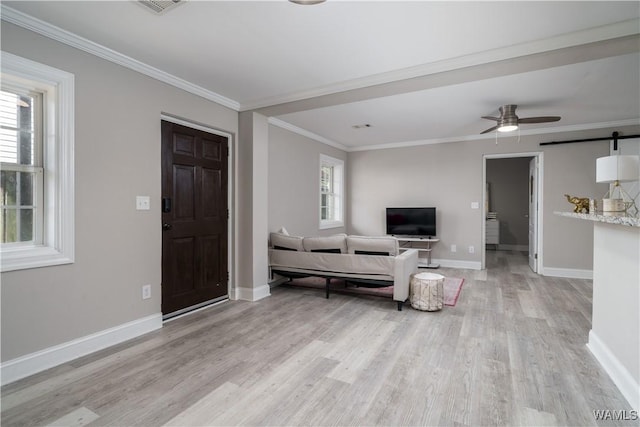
[143, 203]
[475, 205]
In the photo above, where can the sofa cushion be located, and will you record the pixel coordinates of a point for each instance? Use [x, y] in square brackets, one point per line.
[376, 245]
[285, 242]
[333, 264]
[329, 244]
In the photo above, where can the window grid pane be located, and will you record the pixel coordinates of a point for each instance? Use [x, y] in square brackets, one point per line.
[18, 127]
[18, 206]
[326, 179]
[8, 228]
[9, 187]
[26, 191]
[26, 225]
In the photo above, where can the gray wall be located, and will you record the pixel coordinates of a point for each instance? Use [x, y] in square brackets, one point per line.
[508, 181]
[449, 176]
[117, 156]
[294, 188]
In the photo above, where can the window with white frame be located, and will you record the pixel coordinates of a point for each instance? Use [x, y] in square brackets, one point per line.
[331, 192]
[36, 165]
[21, 175]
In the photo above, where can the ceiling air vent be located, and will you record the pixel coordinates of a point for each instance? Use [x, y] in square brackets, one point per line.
[159, 6]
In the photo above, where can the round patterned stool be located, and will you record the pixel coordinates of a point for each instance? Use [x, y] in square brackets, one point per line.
[427, 291]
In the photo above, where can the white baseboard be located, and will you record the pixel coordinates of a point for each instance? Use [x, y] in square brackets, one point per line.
[569, 273]
[454, 263]
[629, 387]
[39, 361]
[253, 294]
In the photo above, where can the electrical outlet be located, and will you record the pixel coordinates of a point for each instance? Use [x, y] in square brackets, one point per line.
[146, 292]
[143, 203]
[471, 249]
[453, 248]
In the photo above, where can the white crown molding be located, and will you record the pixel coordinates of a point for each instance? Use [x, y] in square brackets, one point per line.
[306, 133]
[51, 31]
[591, 35]
[541, 131]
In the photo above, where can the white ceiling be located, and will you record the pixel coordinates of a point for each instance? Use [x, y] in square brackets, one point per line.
[417, 71]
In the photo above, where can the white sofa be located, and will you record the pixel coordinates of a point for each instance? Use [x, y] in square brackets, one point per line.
[367, 261]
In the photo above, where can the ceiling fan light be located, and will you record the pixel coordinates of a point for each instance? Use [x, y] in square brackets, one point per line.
[507, 128]
[507, 124]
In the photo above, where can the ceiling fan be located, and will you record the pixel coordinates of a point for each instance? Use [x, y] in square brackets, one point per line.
[508, 121]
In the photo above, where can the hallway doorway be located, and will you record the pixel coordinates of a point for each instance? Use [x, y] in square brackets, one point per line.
[512, 206]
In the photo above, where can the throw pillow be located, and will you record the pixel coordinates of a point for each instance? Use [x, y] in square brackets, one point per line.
[330, 244]
[285, 242]
[374, 245]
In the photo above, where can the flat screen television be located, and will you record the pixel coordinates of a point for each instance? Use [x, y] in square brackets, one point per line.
[420, 222]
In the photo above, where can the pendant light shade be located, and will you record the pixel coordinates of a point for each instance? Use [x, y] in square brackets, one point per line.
[617, 168]
[614, 170]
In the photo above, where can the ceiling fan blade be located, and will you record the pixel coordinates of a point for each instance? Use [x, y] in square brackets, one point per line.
[491, 118]
[541, 119]
[489, 130]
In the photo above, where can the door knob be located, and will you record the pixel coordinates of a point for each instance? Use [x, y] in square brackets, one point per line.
[166, 226]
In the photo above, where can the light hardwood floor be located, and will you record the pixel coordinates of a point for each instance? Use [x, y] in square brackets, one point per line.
[511, 352]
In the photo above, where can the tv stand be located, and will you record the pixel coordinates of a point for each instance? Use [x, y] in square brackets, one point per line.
[422, 244]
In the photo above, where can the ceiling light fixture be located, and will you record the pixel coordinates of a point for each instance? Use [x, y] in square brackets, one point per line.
[508, 124]
[508, 121]
[307, 2]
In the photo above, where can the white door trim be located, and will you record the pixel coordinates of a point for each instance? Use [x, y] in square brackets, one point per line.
[539, 155]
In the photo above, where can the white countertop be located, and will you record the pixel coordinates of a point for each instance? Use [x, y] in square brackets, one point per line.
[599, 217]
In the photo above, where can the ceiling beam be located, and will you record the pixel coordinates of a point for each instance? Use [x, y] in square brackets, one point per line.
[533, 62]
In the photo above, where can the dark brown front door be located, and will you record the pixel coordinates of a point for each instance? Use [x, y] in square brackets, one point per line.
[194, 217]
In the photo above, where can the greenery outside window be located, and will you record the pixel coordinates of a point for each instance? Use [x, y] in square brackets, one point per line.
[331, 192]
[36, 165]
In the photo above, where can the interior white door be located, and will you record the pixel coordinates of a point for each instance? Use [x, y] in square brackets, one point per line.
[533, 214]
